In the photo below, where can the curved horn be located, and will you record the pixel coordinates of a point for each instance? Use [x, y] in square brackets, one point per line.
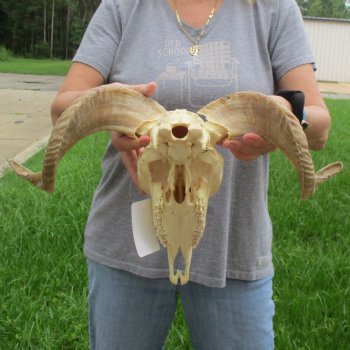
[111, 108]
[244, 112]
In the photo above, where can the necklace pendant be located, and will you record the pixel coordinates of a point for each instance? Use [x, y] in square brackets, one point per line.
[194, 50]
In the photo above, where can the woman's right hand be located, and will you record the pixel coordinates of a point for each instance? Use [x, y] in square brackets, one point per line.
[131, 148]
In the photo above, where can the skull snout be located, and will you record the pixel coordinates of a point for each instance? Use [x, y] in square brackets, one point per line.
[179, 131]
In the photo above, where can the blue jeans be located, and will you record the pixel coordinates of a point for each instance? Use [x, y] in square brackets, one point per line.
[129, 312]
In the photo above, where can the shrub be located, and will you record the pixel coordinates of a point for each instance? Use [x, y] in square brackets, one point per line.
[5, 54]
[41, 50]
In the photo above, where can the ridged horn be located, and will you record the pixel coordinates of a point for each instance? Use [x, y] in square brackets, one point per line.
[110, 108]
[243, 112]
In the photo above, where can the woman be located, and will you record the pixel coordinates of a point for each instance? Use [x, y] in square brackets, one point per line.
[186, 53]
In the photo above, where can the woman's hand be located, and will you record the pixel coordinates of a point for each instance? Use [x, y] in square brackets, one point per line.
[249, 147]
[131, 148]
[122, 142]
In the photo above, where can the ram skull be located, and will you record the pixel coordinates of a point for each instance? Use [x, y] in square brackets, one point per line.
[180, 168]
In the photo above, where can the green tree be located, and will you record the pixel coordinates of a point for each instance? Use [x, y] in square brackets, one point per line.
[44, 28]
[324, 8]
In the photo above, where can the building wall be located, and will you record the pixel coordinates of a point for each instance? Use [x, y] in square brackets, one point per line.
[330, 43]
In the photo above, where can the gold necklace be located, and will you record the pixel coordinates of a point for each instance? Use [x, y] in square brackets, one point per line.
[194, 49]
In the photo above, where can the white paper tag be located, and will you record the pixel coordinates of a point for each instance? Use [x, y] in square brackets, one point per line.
[145, 237]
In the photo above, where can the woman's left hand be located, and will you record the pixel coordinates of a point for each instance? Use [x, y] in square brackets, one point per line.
[249, 147]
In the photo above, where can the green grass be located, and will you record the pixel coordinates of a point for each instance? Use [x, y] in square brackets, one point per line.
[43, 284]
[35, 66]
[312, 249]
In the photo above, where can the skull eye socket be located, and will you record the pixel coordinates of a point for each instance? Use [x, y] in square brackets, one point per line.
[179, 131]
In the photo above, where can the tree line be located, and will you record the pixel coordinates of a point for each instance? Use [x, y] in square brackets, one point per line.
[44, 28]
[54, 28]
[325, 8]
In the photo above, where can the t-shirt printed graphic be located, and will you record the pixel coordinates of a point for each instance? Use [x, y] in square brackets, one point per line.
[214, 66]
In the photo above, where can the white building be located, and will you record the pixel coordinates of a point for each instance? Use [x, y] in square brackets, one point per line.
[330, 43]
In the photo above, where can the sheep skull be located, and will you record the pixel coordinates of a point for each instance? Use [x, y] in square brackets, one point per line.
[180, 169]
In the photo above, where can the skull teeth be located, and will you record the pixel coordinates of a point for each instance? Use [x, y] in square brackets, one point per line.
[175, 277]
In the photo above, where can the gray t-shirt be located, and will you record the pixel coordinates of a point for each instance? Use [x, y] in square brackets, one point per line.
[246, 47]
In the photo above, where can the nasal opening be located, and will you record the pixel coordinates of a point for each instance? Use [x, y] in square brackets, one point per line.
[179, 131]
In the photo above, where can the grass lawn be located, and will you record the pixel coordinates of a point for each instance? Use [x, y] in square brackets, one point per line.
[35, 66]
[43, 284]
